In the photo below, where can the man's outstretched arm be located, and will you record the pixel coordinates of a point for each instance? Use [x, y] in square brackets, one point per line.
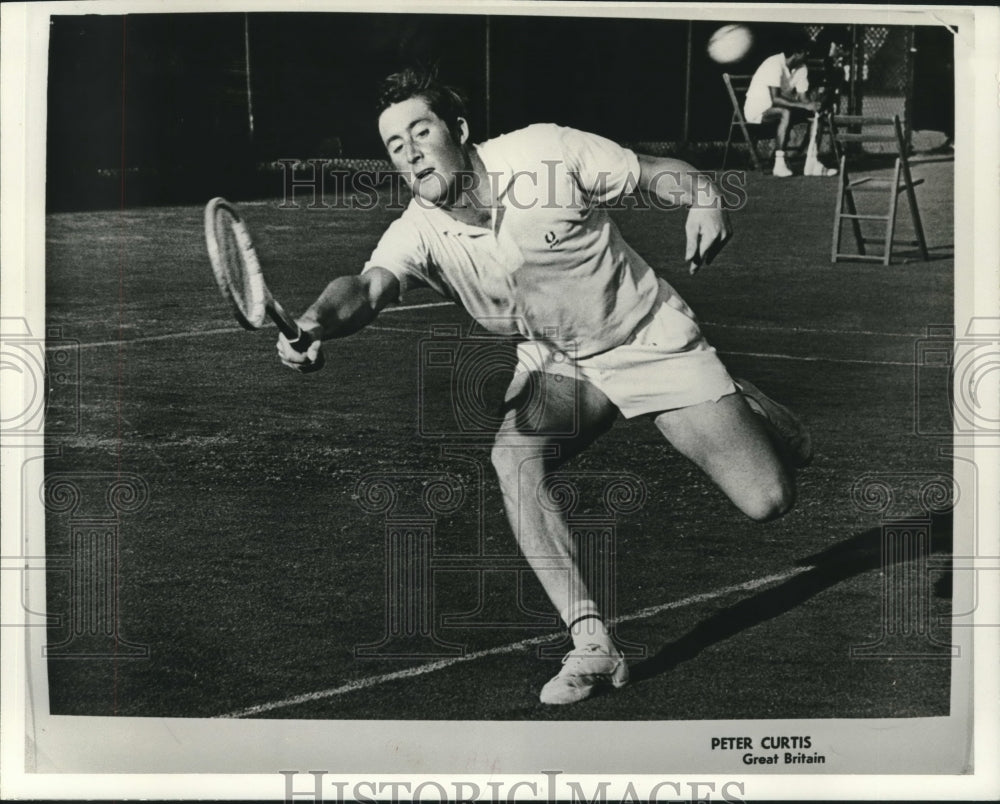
[346, 305]
[677, 182]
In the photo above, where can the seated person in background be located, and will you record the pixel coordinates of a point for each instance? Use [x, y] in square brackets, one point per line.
[779, 91]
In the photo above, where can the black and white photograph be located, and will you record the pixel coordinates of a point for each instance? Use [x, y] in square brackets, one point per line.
[499, 401]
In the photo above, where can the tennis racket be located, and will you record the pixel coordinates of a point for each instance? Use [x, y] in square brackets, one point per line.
[238, 273]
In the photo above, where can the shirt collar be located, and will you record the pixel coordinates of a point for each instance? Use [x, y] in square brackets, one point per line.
[501, 174]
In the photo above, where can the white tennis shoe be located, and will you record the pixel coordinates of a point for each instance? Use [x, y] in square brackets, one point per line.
[817, 168]
[585, 669]
[788, 425]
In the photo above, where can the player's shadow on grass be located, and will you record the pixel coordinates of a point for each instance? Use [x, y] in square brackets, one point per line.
[861, 553]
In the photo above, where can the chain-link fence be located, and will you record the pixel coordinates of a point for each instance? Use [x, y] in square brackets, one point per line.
[884, 55]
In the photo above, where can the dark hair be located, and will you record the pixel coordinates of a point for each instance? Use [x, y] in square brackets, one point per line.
[799, 42]
[414, 82]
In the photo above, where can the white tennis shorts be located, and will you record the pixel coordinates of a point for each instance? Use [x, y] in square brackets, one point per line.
[665, 364]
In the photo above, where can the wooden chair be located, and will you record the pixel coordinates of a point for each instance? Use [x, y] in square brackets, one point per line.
[736, 87]
[852, 129]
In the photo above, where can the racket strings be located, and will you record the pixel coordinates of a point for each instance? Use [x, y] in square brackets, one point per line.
[238, 261]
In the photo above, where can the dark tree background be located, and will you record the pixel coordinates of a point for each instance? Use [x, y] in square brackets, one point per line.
[153, 108]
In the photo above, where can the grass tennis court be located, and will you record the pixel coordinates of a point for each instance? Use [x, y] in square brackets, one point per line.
[253, 573]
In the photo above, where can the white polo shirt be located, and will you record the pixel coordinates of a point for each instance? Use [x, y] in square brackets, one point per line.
[773, 72]
[553, 266]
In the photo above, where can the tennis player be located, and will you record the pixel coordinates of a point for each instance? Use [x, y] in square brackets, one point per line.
[513, 231]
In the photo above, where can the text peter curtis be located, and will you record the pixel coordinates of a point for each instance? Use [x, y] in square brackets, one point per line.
[773, 750]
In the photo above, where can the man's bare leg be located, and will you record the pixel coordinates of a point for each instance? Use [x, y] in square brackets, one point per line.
[783, 117]
[741, 451]
[535, 439]
[734, 447]
[540, 432]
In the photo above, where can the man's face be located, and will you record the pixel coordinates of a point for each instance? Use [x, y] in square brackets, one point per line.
[797, 59]
[423, 149]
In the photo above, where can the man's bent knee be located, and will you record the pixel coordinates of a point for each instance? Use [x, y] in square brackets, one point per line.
[772, 503]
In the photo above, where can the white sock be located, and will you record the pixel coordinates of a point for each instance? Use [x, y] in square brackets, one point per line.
[586, 627]
[779, 157]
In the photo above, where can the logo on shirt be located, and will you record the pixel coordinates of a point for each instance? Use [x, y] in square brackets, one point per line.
[551, 239]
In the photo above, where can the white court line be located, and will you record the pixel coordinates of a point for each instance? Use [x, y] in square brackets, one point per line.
[811, 359]
[810, 331]
[408, 307]
[514, 647]
[375, 327]
[771, 355]
[756, 328]
[195, 333]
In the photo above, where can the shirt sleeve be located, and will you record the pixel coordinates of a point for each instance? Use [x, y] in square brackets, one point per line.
[800, 81]
[603, 168]
[401, 251]
[771, 70]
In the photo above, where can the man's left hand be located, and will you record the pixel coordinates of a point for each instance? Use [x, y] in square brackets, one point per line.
[707, 230]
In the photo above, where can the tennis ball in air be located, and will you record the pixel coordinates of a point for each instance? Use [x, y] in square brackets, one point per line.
[730, 43]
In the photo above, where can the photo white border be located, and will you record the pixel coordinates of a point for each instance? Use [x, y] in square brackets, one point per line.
[208, 758]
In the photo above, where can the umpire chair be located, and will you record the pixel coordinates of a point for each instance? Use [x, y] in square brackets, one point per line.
[848, 132]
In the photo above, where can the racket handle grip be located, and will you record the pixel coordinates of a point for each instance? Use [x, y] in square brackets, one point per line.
[297, 338]
[300, 342]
